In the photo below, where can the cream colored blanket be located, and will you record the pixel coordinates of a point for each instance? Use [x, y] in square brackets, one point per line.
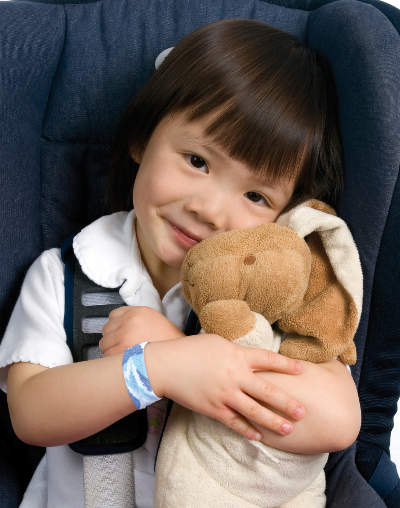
[202, 463]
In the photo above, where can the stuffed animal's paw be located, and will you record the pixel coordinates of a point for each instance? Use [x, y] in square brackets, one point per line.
[229, 318]
[305, 348]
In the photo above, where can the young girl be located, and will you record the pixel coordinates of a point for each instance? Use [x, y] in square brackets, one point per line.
[237, 125]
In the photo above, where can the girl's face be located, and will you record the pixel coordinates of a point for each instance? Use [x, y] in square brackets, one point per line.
[188, 188]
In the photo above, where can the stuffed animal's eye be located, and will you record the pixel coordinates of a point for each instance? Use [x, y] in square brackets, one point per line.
[249, 260]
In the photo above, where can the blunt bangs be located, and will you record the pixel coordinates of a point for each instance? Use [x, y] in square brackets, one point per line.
[274, 150]
[267, 97]
[254, 88]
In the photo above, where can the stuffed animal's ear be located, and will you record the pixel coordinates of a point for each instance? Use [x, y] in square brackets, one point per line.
[323, 327]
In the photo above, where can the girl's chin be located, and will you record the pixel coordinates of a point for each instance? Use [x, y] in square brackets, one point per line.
[173, 261]
[170, 254]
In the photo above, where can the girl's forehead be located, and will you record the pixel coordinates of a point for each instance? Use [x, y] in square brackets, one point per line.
[181, 121]
[193, 134]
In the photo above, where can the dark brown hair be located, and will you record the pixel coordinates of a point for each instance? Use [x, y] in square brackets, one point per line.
[274, 103]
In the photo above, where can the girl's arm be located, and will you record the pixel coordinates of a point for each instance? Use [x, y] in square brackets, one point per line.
[327, 390]
[59, 405]
[333, 416]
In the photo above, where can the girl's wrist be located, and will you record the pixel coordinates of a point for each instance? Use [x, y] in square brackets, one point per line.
[151, 360]
[160, 360]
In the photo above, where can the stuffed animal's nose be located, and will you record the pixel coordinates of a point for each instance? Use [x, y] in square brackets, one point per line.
[249, 260]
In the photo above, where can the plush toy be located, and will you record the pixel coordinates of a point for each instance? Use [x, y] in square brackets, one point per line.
[303, 275]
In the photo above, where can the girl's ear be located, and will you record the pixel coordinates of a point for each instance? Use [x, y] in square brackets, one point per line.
[135, 154]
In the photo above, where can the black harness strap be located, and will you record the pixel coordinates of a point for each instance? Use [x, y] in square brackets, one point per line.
[130, 432]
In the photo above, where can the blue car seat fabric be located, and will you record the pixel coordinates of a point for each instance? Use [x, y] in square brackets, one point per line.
[67, 71]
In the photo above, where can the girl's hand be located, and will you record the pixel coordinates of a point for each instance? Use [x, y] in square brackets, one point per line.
[213, 376]
[128, 326]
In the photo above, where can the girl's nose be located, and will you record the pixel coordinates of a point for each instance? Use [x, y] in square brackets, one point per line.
[208, 209]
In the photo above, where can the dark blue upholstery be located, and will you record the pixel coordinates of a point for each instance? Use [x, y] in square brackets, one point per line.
[67, 70]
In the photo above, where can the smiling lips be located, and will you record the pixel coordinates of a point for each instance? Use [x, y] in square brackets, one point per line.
[184, 237]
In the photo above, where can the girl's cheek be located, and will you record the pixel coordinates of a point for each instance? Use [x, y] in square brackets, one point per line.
[245, 217]
[143, 185]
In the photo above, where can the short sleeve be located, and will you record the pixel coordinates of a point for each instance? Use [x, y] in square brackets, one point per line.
[35, 332]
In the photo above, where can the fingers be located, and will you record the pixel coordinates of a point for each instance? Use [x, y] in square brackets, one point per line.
[256, 392]
[102, 346]
[258, 389]
[262, 416]
[119, 311]
[114, 319]
[239, 424]
[110, 327]
[110, 351]
[263, 359]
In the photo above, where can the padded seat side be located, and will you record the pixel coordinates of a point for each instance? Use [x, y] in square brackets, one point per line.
[30, 49]
[365, 60]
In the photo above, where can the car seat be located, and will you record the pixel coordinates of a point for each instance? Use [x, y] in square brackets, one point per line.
[67, 71]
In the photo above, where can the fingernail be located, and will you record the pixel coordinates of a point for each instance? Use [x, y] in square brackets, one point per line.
[286, 428]
[257, 436]
[298, 367]
[299, 412]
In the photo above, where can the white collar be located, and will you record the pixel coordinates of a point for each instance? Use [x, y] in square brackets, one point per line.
[109, 255]
[108, 251]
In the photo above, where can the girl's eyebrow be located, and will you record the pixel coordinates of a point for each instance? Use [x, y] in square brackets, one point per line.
[264, 181]
[202, 143]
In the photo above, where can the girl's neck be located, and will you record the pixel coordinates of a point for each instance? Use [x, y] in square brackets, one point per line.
[163, 282]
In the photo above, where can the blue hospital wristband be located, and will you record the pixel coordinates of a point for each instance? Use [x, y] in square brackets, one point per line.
[136, 378]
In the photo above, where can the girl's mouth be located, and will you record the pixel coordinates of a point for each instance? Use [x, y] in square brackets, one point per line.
[184, 237]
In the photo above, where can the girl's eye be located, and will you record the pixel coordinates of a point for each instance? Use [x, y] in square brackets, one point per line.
[257, 198]
[198, 162]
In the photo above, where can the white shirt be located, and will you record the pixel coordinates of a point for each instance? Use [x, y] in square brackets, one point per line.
[108, 253]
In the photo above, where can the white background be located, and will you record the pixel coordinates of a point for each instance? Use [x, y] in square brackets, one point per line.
[395, 443]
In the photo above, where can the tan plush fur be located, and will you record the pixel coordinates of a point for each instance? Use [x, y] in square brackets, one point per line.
[267, 267]
[324, 324]
[271, 270]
